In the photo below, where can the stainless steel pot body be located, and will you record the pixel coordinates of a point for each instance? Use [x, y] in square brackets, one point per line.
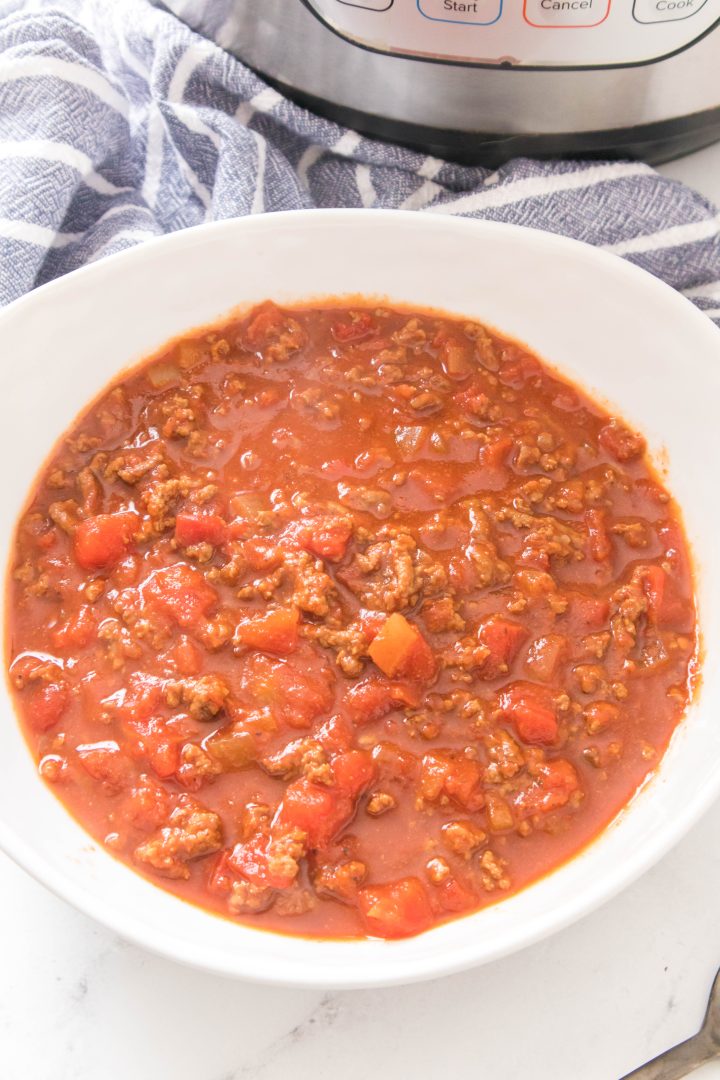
[630, 77]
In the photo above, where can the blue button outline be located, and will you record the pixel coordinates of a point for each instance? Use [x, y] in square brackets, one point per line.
[460, 22]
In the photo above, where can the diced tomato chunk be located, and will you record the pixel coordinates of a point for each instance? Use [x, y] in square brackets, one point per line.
[199, 527]
[156, 741]
[360, 325]
[544, 656]
[454, 896]
[457, 777]
[455, 356]
[181, 592]
[552, 787]
[319, 811]
[274, 631]
[186, 658]
[373, 698]
[493, 455]
[78, 629]
[399, 649]
[222, 875]
[434, 480]
[102, 540]
[371, 622]
[266, 319]
[335, 735]
[503, 638]
[140, 699]
[27, 666]
[395, 763]
[105, 762]
[147, 806]
[46, 703]
[518, 367]
[322, 811]
[329, 538]
[368, 700]
[296, 689]
[325, 537]
[590, 612]
[532, 710]
[397, 909]
[251, 859]
[621, 443]
[261, 553]
[598, 539]
[148, 736]
[462, 573]
[535, 557]
[420, 664]
[654, 579]
[666, 603]
[353, 771]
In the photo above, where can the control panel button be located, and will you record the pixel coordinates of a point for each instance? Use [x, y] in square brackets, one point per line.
[473, 12]
[655, 11]
[568, 13]
[369, 5]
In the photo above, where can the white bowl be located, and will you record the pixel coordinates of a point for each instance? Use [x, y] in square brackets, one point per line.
[616, 330]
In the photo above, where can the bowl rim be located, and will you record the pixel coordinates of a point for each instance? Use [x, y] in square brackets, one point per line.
[403, 970]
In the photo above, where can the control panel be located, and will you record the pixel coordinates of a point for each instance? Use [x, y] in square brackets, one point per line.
[522, 33]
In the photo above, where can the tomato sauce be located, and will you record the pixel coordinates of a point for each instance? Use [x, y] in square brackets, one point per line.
[345, 621]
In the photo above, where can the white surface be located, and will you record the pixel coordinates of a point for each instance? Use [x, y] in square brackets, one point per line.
[632, 347]
[593, 1001]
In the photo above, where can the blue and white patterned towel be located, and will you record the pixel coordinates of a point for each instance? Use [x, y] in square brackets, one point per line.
[118, 123]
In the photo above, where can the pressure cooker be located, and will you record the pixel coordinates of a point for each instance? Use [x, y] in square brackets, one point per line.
[486, 80]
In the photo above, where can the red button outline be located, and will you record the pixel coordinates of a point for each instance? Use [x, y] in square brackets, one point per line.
[563, 26]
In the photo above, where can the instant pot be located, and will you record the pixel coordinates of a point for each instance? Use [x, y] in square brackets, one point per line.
[486, 80]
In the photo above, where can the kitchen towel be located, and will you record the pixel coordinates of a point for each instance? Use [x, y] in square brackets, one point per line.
[119, 123]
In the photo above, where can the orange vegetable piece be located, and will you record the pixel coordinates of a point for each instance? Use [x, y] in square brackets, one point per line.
[275, 631]
[400, 649]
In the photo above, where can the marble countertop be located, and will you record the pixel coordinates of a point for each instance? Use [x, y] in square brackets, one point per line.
[590, 1003]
